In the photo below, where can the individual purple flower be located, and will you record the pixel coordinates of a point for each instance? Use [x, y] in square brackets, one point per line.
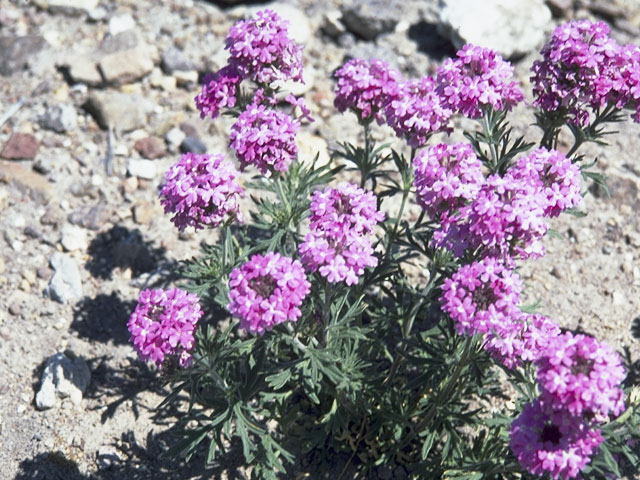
[364, 87]
[557, 177]
[163, 324]
[481, 296]
[266, 291]
[299, 107]
[265, 138]
[549, 441]
[416, 111]
[579, 71]
[219, 90]
[477, 79]
[337, 244]
[446, 177]
[201, 190]
[261, 49]
[583, 376]
[520, 339]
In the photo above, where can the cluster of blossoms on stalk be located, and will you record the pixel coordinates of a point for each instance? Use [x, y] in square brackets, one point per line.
[266, 291]
[363, 87]
[500, 216]
[163, 324]
[583, 70]
[478, 78]
[201, 190]
[338, 243]
[418, 108]
[265, 138]
[579, 380]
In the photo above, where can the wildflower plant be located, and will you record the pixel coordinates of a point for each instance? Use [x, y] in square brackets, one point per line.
[318, 351]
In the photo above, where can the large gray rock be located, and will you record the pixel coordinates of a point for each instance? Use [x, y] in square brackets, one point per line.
[370, 18]
[64, 376]
[66, 283]
[17, 52]
[60, 118]
[122, 111]
[511, 27]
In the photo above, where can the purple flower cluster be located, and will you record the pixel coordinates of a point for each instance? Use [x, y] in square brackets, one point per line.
[260, 48]
[337, 244]
[478, 78]
[163, 323]
[417, 110]
[481, 296]
[265, 138]
[364, 87]
[447, 177]
[556, 178]
[266, 291]
[583, 376]
[201, 190]
[521, 338]
[583, 69]
[261, 51]
[579, 380]
[219, 90]
[504, 217]
[547, 441]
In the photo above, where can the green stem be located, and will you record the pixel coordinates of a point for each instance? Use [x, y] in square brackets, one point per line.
[444, 395]
[365, 170]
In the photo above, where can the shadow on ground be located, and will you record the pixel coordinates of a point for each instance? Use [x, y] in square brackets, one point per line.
[103, 318]
[430, 41]
[111, 387]
[121, 247]
[133, 460]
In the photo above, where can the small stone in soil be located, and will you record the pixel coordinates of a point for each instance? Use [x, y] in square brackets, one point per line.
[151, 147]
[20, 146]
[193, 145]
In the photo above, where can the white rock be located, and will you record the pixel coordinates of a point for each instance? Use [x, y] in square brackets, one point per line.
[299, 27]
[174, 138]
[74, 238]
[66, 283]
[511, 27]
[297, 88]
[64, 376]
[142, 168]
[309, 146]
[121, 23]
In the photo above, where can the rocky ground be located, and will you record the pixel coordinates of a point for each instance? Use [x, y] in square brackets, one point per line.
[96, 101]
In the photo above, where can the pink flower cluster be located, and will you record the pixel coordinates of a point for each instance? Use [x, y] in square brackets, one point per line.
[504, 217]
[521, 338]
[363, 87]
[262, 50]
[417, 110]
[340, 222]
[201, 190]
[583, 376]
[219, 90]
[481, 296]
[557, 179]
[266, 291]
[478, 78]
[583, 69]
[265, 138]
[548, 441]
[163, 323]
[447, 177]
